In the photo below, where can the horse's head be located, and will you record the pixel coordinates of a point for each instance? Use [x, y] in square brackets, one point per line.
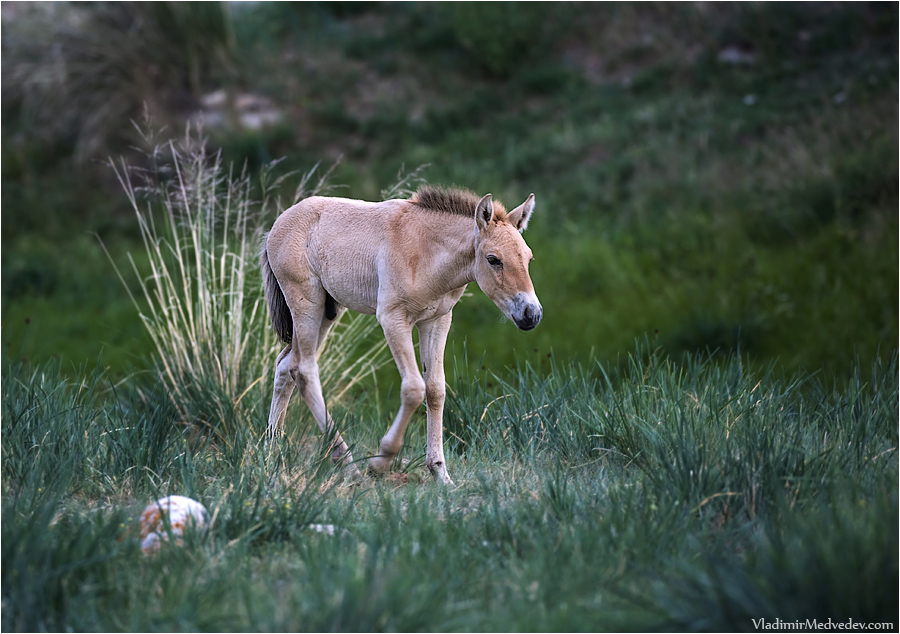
[502, 258]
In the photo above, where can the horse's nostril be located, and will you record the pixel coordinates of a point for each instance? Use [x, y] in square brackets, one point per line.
[525, 311]
[531, 317]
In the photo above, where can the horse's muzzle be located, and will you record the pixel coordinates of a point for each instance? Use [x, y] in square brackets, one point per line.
[526, 311]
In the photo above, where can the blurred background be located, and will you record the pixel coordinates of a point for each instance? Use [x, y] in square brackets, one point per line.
[709, 176]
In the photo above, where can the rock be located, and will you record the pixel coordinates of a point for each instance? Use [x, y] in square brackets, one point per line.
[172, 514]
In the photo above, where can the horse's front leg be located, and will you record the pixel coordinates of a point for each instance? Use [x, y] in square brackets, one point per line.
[398, 332]
[432, 341]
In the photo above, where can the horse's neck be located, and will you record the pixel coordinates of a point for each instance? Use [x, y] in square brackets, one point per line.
[456, 251]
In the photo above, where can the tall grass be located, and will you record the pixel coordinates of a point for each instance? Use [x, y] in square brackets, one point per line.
[654, 497]
[717, 438]
[202, 302]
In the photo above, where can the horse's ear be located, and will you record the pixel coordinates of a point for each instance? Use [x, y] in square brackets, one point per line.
[484, 212]
[520, 216]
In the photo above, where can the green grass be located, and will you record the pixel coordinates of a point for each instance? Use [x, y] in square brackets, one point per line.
[739, 220]
[686, 495]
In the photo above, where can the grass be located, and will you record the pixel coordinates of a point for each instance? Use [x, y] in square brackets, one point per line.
[737, 220]
[684, 495]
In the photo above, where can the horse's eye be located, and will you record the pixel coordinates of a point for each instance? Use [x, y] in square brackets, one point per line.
[494, 261]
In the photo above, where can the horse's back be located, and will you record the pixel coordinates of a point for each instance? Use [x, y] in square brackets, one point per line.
[338, 242]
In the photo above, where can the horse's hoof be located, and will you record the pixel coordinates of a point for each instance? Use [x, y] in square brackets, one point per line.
[354, 477]
[442, 479]
[341, 453]
[379, 465]
[439, 473]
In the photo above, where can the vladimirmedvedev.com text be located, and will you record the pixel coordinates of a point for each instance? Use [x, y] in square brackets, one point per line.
[820, 625]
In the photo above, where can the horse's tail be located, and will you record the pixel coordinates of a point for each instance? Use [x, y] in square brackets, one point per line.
[279, 312]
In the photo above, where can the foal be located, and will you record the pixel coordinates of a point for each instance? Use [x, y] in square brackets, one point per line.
[408, 263]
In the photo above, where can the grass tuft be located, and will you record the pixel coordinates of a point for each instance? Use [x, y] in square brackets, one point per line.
[202, 302]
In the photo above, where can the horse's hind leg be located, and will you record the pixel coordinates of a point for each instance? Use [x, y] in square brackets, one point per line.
[309, 317]
[284, 382]
[281, 395]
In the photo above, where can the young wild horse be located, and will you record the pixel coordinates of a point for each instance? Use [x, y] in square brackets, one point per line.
[408, 263]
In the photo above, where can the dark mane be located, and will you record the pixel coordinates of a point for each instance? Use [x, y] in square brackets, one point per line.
[454, 200]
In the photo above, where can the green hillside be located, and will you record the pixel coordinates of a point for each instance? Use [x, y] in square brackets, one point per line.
[712, 177]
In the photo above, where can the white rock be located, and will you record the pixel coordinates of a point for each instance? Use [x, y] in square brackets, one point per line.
[181, 513]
